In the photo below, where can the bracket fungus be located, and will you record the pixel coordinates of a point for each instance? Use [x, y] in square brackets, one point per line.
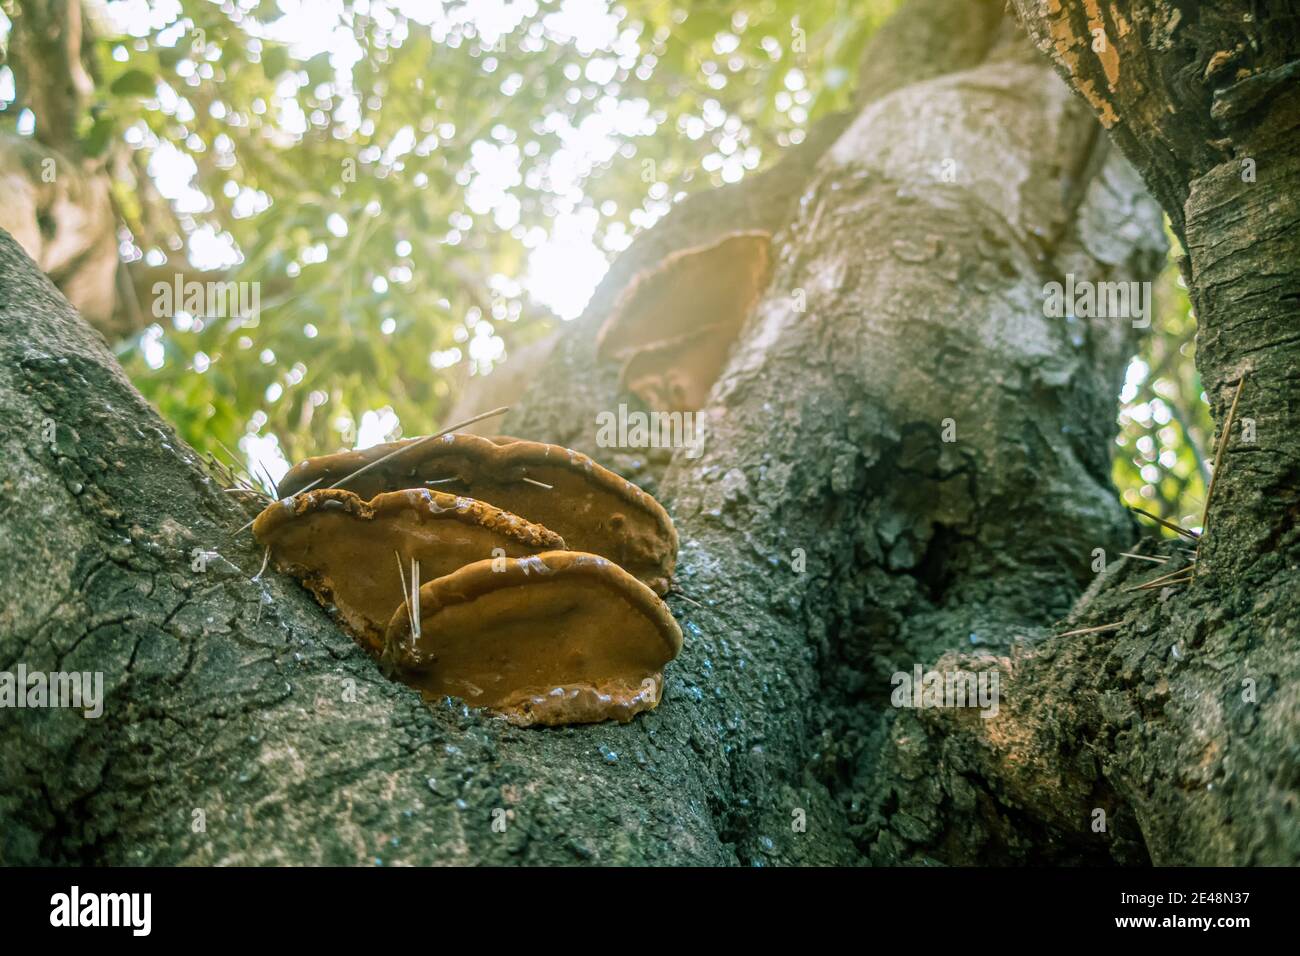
[673, 326]
[344, 549]
[560, 637]
[494, 610]
[590, 507]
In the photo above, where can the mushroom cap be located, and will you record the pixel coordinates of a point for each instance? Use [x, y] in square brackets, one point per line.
[592, 508]
[559, 637]
[659, 317]
[347, 551]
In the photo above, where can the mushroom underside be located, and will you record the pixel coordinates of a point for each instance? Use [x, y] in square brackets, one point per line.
[677, 375]
[673, 327]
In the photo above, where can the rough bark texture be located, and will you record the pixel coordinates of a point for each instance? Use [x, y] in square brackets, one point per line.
[1183, 720]
[1223, 163]
[238, 697]
[922, 303]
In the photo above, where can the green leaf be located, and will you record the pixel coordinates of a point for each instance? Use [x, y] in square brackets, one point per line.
[99, 135]
[134, 83]
[319, 70]
[275, 60]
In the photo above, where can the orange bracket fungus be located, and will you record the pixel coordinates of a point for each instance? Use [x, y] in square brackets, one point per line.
[673, 326]
[345, 549]
[561, 637]
[592, 508]
[486, 602]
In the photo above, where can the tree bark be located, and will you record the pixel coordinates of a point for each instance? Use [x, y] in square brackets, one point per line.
[1181, 722]
[235, 703]
[924, 305]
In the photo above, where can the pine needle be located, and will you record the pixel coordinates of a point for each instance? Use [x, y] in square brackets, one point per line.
[414, 603]
[300, 491]
[234, 459]
[1218, 452]
[266, 559]
[675, 593]
[1144, 557]
[266, 475]
[405, 593]
[306, 488]
[243, 527]
[1155, 581]
[1168, 524]
[228, 477]
[270, 482]
[1094, 630]
[1170, 583]
[226, 448]
[418, 442]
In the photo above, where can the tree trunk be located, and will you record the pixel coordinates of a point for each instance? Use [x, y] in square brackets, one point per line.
[826, 449]
[1184, 717]
[832, 535]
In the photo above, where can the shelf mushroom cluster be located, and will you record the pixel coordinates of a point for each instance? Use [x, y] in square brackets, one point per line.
[519, 576]
[673, 327]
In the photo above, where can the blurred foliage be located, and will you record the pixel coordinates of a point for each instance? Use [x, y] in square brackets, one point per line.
[391, 173]
[1162, 458]
[387, 176]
